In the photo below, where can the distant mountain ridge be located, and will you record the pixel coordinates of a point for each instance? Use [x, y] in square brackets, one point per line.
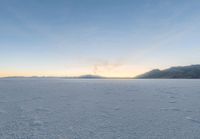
[89, 76]
[184, 72]
[179, 72]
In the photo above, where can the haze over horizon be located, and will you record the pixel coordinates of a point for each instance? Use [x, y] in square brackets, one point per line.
[111, 38]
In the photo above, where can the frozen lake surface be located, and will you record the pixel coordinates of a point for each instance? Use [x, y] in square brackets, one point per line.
[99, 109]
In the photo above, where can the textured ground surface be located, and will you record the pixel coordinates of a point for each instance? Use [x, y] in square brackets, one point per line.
[99, 109]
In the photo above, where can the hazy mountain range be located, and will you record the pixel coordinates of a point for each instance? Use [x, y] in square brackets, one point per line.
[185, 72]
[180, 72]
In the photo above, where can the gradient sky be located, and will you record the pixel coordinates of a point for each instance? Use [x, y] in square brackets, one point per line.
[120, 38]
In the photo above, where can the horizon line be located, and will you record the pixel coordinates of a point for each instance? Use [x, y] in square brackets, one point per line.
[84, 76]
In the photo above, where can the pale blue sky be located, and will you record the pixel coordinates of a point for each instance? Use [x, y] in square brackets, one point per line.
[105, 37]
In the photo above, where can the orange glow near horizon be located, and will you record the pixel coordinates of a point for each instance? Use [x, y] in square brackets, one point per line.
[102, 71]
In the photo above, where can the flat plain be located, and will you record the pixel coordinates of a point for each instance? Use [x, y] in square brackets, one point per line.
[99, 109]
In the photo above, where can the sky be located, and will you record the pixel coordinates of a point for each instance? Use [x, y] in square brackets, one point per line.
[112, 38]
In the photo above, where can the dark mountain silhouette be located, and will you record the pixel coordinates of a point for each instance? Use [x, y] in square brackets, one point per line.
[185, 72]
[90, 77]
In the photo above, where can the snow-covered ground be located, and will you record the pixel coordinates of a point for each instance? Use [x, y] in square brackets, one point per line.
[99, 109]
